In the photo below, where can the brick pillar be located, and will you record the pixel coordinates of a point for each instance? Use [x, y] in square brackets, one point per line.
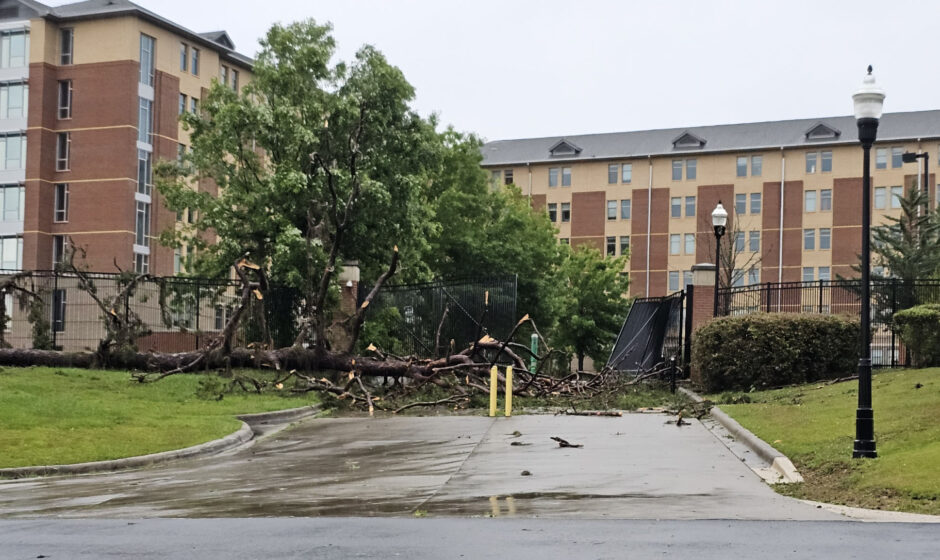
[348, 280]
[702, 303]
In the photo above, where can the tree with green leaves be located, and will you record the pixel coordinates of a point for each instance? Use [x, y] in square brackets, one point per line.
[594, 303]
[908, 246]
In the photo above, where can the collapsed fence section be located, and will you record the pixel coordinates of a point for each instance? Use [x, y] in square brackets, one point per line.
[838, 297]
[422, 319]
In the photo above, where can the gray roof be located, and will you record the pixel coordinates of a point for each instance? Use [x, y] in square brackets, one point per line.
[720, 138]
[90, 9]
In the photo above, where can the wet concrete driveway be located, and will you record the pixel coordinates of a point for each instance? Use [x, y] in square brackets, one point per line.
[634, 467]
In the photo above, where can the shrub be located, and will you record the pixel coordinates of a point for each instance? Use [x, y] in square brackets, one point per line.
[919, 329]
[773, 349]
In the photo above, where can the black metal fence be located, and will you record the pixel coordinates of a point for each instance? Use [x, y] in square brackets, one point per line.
[178, 314]
[838, 297]
[422, 319]
[651, 334]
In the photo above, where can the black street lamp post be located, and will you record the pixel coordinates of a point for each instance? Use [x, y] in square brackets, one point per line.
[869, 101]
[719, 221]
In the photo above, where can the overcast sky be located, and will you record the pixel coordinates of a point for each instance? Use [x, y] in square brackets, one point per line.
[516, 69]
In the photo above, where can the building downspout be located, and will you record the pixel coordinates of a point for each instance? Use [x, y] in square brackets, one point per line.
[783, 178]
[528, 167]
[649, 214]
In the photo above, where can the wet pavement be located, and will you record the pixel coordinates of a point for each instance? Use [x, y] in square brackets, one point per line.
[633, 467]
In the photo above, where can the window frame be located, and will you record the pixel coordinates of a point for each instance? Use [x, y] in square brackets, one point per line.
[626, 173]
[64, 111]
[807, 197]
[688, 243]
[675, 207]
[60, 207]
[63, 143]
[691, 169]
[626, 209]
[741, 166]
[66, 55]
[624, 243]
[194, 61]
[611, 246]
[553, 174]
[740, 203]
[756, 197]
[565, 176]
[184, 57]
[611, 210]
[825, 234]
[565, 211]
[753, 241]
[613, 173]
[809, 239]
[759, 161]
[552, 208]
[690, 205]
[825, 200]
[675, 244]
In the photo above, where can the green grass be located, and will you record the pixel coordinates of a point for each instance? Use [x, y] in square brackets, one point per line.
[58, 416]
[814, 425]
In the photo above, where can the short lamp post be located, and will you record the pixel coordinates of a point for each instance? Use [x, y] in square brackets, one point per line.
[911, 157]
[719, 221]
[869, 102]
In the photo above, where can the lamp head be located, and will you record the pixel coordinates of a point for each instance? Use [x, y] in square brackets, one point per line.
[868, 99]
[719, 219]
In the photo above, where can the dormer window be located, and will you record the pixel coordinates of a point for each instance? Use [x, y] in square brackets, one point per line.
[688, 141]
[564, 148]
[822, 131]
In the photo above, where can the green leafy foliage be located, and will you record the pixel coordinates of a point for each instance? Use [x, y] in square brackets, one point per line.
[593, 303]
[919, 328]
[909, 246]
[772, 350]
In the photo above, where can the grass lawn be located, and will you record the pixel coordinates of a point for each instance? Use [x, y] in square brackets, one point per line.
[58, 416]
[814, 425]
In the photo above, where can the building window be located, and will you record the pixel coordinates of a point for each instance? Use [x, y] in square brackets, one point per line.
[880, 197]
[690, 166]
[565, 211]
[66, 40]
[740, 204]
[755, 203]
[495, 177]
[58, 250]
[62, 150]
[141, 263]
[194, 66]
[223, 74]
[742, 166]
[675, 241]
[809, 198]
[507, 177]
[611, 246]
[61, 203]
[613, 170]
[689, 206]
[686, 279]
[676, 205]
[58, 310]
[737, 278]
[180, 153]
[142, 232]
[896, 194]
[625, 209]
[808, 274]
[677, 170]
[690, 244]
[811, 162]
[825, 238]
[566, 176]
[235, 80]
[178, 261]
[739, 241]
[753, 276]
[13, 152]
[184, 57]
[12, 203]
[809, 239]
[13, 100]
[825, 199]
[757, 166]
[626, 173]
[553, 212]
[144, 172]
[146, 59]
[145, 121]
[11, 253]
[553, 177]
[611, 209]
[826, 158]
[65, 99]
[881, 158]
[182, 107]
[673, 280]
[194, 106]
[896, 157]
[624, 244]
[754, 241]
[564, 241]
[824, 273]
[14, 49]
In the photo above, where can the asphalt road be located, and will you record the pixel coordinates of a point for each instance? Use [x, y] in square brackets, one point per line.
[633, 467]
[415, 539]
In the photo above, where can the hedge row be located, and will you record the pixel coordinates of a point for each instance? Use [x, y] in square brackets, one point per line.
[773, 349]
[919, 328]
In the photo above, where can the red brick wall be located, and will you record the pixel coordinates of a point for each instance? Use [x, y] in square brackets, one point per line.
[846, 225]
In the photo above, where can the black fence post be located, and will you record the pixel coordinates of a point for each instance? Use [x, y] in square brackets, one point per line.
[819, 310]
[198, 312]
[55, 288]
[689, 308]
[894, 309]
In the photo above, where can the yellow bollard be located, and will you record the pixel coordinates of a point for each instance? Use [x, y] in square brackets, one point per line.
[494, 386]
[508, 390]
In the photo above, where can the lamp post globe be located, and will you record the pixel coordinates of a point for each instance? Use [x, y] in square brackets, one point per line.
[719, 222]
[869, 103]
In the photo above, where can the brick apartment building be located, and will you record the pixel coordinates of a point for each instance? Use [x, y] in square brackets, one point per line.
[791, 187]
[90, 97]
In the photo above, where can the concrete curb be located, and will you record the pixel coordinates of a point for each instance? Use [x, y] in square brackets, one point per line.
[251, 425]
[779, 463]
